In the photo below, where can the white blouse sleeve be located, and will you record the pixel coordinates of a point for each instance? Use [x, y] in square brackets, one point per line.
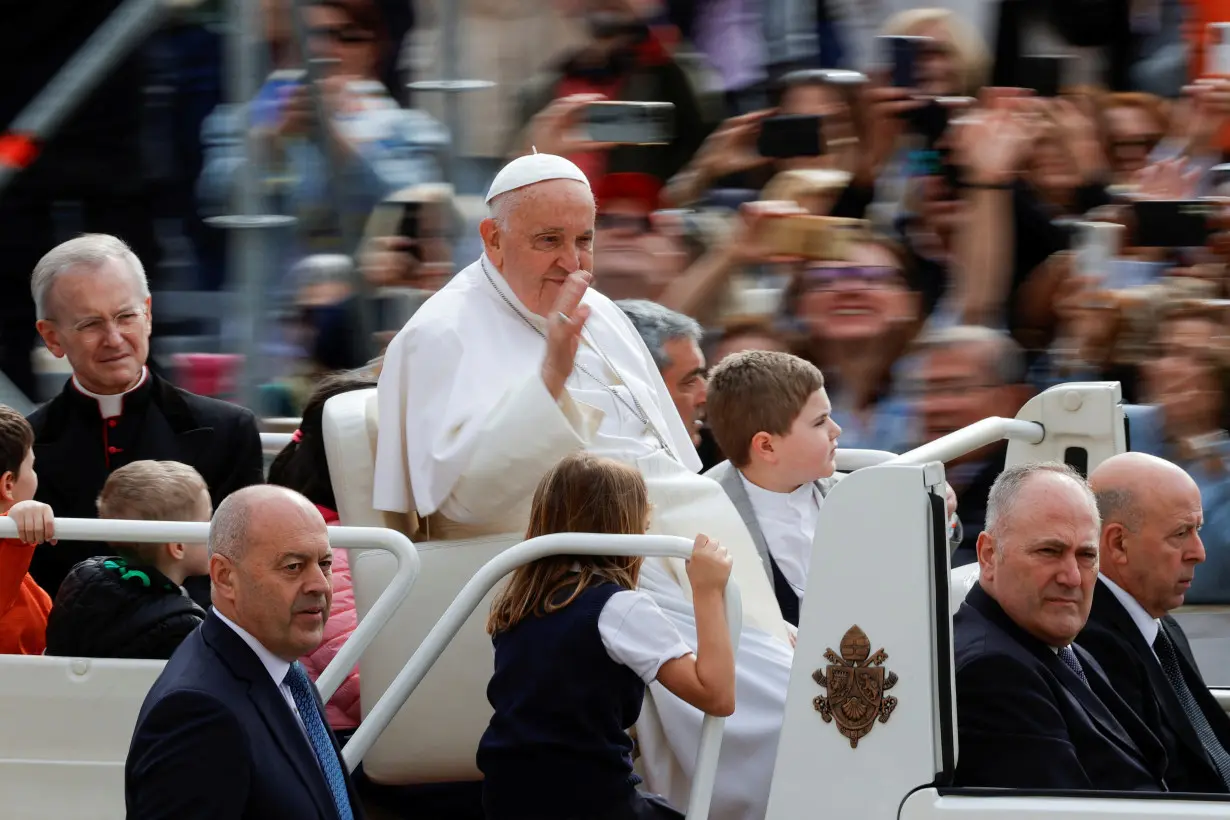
[638, 635]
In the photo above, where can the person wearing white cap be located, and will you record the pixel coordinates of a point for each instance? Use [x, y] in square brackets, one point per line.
[516, 363]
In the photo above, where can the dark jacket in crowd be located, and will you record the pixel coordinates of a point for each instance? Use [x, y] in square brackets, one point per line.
[76, 450]
[108, 608]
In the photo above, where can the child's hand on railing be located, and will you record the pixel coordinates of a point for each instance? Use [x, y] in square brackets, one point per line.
[35, 522]
[709, 566]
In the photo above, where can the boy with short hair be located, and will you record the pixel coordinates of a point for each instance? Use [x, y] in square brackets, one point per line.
[133, 605]
[772, 419]
[23, 603]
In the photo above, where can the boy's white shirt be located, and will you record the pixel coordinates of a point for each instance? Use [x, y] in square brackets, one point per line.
[788, 523]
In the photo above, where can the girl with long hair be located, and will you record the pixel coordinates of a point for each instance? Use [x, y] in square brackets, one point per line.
[575, 645]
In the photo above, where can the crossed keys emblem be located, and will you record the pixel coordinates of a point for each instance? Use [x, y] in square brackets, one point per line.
[856, 682]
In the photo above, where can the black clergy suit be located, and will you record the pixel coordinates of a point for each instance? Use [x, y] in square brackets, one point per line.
[1027, 721]
[76, 449]
[1115, 640]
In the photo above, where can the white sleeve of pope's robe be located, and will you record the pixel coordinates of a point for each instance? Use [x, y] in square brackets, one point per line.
[475, 441]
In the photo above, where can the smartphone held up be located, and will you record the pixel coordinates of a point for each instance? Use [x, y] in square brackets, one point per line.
[629, 123]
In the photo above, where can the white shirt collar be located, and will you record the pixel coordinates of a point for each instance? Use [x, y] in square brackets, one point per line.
[1145, 622]
[798, 499]
[275, 666]
[112, 405]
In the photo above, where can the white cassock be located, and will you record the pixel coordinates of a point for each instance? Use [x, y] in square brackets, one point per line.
[467, 429]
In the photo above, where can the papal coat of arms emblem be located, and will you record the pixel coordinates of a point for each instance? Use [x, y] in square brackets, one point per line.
[855, 682]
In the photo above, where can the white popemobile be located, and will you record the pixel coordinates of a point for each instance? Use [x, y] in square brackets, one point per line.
[880, 613]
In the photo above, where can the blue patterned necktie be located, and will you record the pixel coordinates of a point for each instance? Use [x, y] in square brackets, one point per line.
[1169, 659]
[305, 702]
[1068, 656]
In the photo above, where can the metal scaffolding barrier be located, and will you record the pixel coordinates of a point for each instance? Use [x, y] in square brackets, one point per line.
[110, 44]
[251, 263]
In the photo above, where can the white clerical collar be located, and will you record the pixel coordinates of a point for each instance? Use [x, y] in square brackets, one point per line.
[489, 270]
[275, 666]
[113, 405]
[1145, 622]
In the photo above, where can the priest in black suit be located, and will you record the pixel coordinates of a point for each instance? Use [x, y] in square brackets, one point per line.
[93, 304]
[1151, 517]
[1034, 710]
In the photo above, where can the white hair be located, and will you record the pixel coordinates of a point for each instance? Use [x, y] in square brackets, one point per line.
[658, 325]
[89, 250]
[503, 205]
[1004, 357]
[322, 268]
[1009, 484]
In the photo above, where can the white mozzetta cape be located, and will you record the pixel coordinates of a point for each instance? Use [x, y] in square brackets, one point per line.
[478, 428]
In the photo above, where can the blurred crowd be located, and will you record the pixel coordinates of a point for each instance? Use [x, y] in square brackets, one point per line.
[947, 209]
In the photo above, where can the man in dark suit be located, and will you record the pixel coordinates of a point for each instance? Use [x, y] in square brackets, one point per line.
[1033, 709]
[93, 304]
[1151, 517]
[234, 695]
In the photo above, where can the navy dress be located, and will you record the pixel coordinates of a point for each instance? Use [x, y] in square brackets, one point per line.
[557, 747]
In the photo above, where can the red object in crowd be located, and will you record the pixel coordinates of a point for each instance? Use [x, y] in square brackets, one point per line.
[654, 51]
[18, 150]
[643, 188]
[208, 374]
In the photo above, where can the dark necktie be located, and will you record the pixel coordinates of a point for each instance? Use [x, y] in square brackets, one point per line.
[1169, 658]
[305, 702]
[1068, 656]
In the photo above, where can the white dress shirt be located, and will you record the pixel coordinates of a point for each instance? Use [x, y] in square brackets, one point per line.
[1146, 623]
[275, 666]
[788, 522]
[111, 406]
[637, 634]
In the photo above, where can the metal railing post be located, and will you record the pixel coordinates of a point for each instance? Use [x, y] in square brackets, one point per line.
[197, 533]
[966, 440]
[251, 232]
[110, 44]
[337, 182]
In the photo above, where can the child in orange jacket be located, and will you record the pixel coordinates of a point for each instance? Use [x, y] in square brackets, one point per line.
[23, 604]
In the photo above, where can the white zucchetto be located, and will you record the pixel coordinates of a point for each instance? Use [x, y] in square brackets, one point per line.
[531, 169]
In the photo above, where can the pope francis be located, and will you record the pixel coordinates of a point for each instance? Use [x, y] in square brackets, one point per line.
[516, 363]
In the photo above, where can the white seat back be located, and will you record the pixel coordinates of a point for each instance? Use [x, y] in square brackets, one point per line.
[960, 582]
[349, 424]
[1083, 421]
[435, 735]
[65, 726]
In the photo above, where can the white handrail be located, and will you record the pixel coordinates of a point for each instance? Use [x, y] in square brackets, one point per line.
[967, 439]
[274, 443]
[490, 574]
[849, 460]
[194, 532]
